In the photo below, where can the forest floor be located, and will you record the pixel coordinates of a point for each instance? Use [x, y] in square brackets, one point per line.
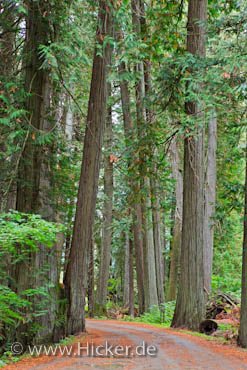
[175, 350]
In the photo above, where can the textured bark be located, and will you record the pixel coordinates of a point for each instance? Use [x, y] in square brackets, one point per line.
[242, 339]
[105, 257]
[91, 281]
[190, 305]
[210, 196]
[126, 293]
[163, 241]
[131, 280]
[128, 283]
[7, 177]
[177, 228]
[76, 274]
[150, 286]
[149, 116]
[150, 282]
[134, 186]
[7, 58]
[68, 124]
[47, 264]
[37, 83]
[139, 257]
[158, 245]
[8, 18]
[34, 174]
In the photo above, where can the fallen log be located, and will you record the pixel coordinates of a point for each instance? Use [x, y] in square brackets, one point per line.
[220, 304]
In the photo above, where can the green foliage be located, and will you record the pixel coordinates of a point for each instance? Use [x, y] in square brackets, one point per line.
[11, 307]
[159, 315]
[23, 234]
[175, 78]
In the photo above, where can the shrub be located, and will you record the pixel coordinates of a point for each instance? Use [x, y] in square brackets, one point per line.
[20, 236]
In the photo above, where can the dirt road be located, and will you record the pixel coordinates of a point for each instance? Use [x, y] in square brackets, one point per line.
[120, 345]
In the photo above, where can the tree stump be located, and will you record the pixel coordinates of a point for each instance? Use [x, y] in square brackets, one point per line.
[208, 327]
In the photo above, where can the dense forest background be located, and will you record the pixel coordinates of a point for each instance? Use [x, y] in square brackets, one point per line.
[122, 172]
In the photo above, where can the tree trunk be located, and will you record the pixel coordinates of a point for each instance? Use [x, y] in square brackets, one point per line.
[34, 175]
[134, 186]
[7, 175]
[150, 286]
[76, 274]
[148, 118]
[36, 83]
[210, 195]
[190, 306]
[177, 228]
[150, 282]
[126, 294]
[158, 246]
[7, 63]
[107, 214]
[242, 339]
[91, 281]
[131, 279]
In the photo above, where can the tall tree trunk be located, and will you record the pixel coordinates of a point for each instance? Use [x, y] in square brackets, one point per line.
[150, 286]
[7, 175]
[34, 176]
[91, 281]
[37, 83]
[134, 186]
[158, 245]
[126, 293]
[242, 338]
[139, 255]
[177, 228]
[150, 282]
[149, 119]
[128, 296]
[131, 280]
[190, 306]
[105, 257]
[76, 274]
[7, 59]
[210, 195]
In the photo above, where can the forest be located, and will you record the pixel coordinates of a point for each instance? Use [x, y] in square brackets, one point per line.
[123, 164]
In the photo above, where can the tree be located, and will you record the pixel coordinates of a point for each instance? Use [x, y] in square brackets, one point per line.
[134, 182]
[34, 181]
[91, 281]
[158, 240]
[242, 338]
[126, 292]
[210, 196]
[107, 212]
[76, 274]
[9, 23]
[30, 195]
[150, 281]
[177, 227]
[190, 305]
